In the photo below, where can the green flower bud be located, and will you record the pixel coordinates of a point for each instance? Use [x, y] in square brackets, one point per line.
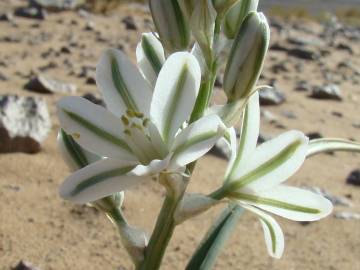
[171, 25]
[236, 16]
[221, 6]
[247, 56]
[202, 23]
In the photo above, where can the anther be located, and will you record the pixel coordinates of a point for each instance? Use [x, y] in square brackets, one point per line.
[125, 120]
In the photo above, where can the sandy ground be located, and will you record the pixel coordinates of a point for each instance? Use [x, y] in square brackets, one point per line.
[38, 226]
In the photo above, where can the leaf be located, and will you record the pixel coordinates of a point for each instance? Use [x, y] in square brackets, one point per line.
[205, 256]
[331, 144]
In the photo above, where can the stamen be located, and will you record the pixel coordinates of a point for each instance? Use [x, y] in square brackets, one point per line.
[130, 113]
[125, 120]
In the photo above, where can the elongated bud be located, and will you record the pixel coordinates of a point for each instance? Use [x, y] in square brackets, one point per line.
[171, 24]
[221, 6]
[236, 16]
[202, 23]
[187, 7]
[247, 57]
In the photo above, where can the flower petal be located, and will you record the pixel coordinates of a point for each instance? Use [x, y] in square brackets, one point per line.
[231, 133]
[274, 237]
[196, 140]
[93, 127]
[289, 202]
[74, 155]
[98, 180]
[150, 57]
[121, 84]
[175, 94]
[249, 134]
[273, 162]
[152, 168]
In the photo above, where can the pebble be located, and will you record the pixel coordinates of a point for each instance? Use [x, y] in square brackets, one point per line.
[354, 178]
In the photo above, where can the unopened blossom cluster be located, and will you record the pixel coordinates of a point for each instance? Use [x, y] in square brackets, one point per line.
[158, 121]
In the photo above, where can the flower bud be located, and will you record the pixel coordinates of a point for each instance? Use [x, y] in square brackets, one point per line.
[171, 25]
[202, 24]
[221, 6]
[236, 16]
[247, 57]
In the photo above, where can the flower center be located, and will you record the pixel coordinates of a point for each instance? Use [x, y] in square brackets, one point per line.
[138, 136]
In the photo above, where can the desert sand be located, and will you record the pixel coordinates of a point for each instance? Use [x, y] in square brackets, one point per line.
[38, 226]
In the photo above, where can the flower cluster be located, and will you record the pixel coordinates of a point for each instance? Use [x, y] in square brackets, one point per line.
[157, 123]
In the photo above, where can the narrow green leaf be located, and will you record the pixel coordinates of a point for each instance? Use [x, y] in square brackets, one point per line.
[332, 144]
[205, 256]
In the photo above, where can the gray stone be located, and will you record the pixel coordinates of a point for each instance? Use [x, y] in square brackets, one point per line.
[271, 96]
[23, 265]
[24, 124]
[335, 200]
[57, 4]
[31, 13]
[328, 91]
[129, 23]
[302, 53]
[354, 178]
[347, 215]
[302, 86]
[42, 84]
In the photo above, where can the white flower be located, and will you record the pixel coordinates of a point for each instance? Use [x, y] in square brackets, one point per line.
[255, 175]
[140, 135]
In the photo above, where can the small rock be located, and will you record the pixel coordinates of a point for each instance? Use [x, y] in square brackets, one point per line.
[347, 216]
[129, 23]
[56, 5]
[303, 53]
[354, 178]
[268, 116]
[3, 77]
[263, 138]
[345, 47]
[289, 114]
[7, 17]
[314, 135]
[42, 84]
[335, 200]
[31, 13]
[302, 86]
[271, 96]
[24, 124]
[90, 26]
[23, 265]
[329, 91]
[94, 99]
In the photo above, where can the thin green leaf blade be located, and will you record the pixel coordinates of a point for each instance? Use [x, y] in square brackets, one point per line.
[205, 256]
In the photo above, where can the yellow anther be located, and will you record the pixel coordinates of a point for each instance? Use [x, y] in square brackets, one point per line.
[76, 135]
[145, 122]
[139, 115]
[125, 120]
[130, 113]
[133, 125]
[127, 132]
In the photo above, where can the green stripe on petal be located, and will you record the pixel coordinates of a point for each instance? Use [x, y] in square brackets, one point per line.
[121, 86]
[264, 169]
[151, 55]
[195, 140]
[332, 144]
[274, 237]
[175, 94]
[272, 202]
[170, 114]
[98, 131]
[101, 177]
[73, 149]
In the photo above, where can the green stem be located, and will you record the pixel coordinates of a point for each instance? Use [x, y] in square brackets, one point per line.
[161, 235]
